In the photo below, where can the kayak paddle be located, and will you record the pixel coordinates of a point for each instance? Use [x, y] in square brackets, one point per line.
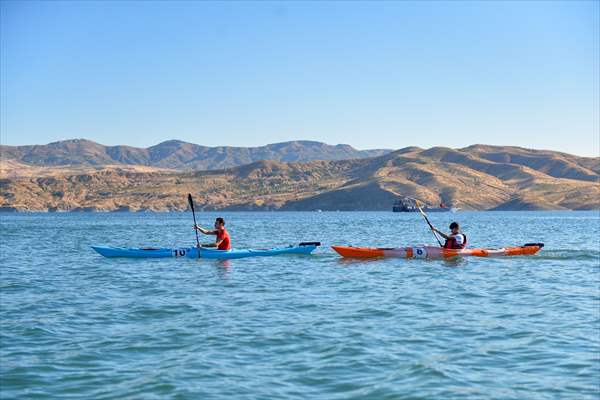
[191, 201]
[428, 223]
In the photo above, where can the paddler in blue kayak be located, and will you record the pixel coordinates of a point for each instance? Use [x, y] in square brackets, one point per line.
[456, 239]
[222, 242]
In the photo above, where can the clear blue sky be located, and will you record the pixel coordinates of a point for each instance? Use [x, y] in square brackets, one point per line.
[373, 75]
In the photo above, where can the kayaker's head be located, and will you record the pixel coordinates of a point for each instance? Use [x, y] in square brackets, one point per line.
[454, 227]
[219, 223]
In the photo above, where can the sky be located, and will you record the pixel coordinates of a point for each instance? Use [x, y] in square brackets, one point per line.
[369, 74]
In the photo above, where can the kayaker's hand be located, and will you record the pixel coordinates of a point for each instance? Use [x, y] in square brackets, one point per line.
[200, 229]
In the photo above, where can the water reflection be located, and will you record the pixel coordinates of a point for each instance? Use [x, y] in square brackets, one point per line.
[223, 268]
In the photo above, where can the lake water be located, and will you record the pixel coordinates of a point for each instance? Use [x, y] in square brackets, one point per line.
[77, 325]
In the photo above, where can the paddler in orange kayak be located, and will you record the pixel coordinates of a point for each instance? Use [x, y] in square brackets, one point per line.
[222, 242]
[456, 239]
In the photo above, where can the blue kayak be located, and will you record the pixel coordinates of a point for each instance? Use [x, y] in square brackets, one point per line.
[203, 252]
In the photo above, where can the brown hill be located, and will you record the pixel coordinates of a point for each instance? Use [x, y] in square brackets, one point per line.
[476, 177]
[13, 169]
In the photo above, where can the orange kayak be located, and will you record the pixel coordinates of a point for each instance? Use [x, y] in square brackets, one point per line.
[435, 252]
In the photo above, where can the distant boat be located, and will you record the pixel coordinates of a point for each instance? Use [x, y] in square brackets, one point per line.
[407, 205]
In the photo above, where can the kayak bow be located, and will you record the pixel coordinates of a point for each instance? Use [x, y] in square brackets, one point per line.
[435, 252]
[203, 252]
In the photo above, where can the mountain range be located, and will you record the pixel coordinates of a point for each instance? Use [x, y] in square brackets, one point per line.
[477, 177]
[175, 154]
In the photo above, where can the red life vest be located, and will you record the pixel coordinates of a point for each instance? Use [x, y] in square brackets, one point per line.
[453, 244]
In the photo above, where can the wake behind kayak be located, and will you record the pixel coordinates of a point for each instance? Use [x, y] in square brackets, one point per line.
[203, 252]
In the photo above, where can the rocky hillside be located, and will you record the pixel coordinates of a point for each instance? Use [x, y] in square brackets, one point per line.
[175, 154]
[477, 177]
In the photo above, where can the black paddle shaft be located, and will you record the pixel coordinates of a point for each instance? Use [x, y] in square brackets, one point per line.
[191, 201]
[427, 220]
[430, 226]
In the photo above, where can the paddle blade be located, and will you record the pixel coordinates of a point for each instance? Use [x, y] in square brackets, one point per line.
[191, 201]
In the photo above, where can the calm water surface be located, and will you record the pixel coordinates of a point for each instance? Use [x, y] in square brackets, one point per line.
[77, 325]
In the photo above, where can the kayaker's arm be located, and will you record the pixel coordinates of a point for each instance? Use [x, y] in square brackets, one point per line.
[442, 234]
[205, 231]
[216, 244]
